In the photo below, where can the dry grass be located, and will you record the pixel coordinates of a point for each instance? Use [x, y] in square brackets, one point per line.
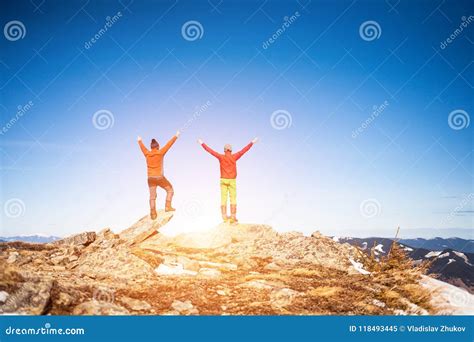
[304, 272]
[325, 291]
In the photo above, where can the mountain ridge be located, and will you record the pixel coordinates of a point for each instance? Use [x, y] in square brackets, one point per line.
[35, 238]
[246, 269]
[449, 265]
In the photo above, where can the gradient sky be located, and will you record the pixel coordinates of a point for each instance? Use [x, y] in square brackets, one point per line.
[69, 176]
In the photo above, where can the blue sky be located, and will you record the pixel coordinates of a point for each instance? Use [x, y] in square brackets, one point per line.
[408, 165]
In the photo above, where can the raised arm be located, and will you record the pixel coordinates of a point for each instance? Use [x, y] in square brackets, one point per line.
[208, 149]
[243, 151]
[142, 146]
[170, 143]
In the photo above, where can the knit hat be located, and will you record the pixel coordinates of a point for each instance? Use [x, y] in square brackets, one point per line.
[154, 144]
[227, 147]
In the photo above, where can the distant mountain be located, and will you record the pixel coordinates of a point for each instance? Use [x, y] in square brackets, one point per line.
[30, 238]
[439, 244]
[452, 266]
[430, 233]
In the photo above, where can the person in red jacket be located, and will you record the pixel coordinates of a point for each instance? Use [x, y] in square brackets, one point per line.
[154, 162]
[228, 167]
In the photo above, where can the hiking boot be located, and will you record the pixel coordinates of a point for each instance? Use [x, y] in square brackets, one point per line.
[225, 218]
[153, 214]
[168, 207]
[233, 211]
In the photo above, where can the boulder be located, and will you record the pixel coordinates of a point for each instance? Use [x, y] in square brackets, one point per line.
[106, 239]
[186, 307]
[3, 296]
[59, 260]
[32, 297]
[12, 257]
[82, 239]
[135, 304]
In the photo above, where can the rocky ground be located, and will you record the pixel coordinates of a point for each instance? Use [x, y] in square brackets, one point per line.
[245, 269]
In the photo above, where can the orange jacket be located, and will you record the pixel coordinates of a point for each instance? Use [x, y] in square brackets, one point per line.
[228, 161]
[154, 158]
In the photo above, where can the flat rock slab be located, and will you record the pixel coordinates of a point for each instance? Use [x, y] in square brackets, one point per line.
[83, 239]
[145, 228]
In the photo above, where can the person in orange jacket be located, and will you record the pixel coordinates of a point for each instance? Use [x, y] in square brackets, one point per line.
[228, 168]
[154, 161]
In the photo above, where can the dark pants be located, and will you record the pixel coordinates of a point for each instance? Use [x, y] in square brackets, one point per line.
[163, 183]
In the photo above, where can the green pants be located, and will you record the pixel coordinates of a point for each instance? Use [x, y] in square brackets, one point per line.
[228, 188]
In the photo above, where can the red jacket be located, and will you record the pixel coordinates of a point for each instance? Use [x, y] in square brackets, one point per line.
[228, 160]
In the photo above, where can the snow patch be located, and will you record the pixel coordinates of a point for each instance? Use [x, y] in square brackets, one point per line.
[379, 248]
[432, 254]
[463, 256]
[444, 255]
[449, 299]
[358, 266]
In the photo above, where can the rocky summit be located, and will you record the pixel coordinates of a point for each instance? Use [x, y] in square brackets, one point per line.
[245, 269]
